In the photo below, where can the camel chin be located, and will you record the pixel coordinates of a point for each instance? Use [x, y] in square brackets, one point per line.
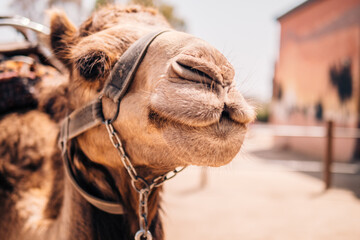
[214, 145]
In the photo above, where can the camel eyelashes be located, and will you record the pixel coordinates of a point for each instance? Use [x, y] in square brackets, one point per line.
[93, 65]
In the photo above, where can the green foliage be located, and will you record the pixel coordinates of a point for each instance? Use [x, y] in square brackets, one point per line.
[169, 13]
[100, 3]
[146, 3]
[263, 113]
[167, 10]
[34, 9]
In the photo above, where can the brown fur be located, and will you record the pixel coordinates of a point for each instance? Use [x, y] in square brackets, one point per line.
[182, 108]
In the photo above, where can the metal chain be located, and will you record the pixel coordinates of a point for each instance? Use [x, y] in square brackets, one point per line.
[138, 183]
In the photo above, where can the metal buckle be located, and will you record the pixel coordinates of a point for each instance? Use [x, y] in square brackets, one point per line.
[101, 113]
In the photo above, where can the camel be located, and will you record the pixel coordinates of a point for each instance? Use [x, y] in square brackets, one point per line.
[181, 108]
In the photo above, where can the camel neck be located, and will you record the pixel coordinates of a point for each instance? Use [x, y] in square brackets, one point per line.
[79, 218]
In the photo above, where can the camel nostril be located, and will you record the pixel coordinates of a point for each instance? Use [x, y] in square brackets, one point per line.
[192, 74]
[196, 70]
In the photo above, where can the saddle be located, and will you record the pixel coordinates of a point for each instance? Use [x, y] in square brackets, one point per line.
[24, 65]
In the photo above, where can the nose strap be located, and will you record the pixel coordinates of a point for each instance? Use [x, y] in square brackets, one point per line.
[125, 69]
[91, 115]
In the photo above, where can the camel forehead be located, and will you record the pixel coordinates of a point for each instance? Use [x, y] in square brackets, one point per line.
[113, 29]
[165, 49]
[108, 17]
[115, 40]
[120, 37]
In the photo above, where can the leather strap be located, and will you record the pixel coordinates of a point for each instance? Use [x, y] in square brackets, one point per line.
[91, 115]
[106, 206]
[81, 120]
[115, 88]
[125, 69]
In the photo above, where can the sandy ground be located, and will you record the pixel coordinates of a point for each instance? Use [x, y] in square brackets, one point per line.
[254, 198]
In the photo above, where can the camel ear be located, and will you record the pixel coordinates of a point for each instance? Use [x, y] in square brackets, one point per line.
[62, 35]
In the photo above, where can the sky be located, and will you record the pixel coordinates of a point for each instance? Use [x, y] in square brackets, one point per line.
[245, 31]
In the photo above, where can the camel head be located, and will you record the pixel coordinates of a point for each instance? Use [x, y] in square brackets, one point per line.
[182, 107]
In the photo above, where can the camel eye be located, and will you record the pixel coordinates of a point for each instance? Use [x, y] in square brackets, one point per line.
[93, 65]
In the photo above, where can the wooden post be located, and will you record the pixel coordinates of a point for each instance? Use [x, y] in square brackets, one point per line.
[328, 159]
[203, 177]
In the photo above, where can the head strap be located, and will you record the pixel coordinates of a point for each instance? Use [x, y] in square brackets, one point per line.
[115, 88]
[91, 114]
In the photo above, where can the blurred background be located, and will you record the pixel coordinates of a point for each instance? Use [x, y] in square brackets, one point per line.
[298, 63]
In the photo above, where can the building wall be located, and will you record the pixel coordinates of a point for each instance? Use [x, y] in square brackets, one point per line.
[317, 74]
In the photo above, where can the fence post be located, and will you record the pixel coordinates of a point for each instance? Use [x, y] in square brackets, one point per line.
[328, 154]
[203, 177]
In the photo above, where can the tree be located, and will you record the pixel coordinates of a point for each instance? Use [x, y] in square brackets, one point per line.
[165, 9]
[169, 13]
[34, 9]
[99, 3]
[146, 3]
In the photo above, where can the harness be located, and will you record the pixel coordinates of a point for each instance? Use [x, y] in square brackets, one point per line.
[91, 115]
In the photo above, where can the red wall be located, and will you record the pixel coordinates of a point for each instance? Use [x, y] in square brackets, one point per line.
[318, 36]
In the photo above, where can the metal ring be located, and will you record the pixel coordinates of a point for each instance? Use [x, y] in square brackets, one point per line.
[142, 181]
[143, 233]
[116, 114]
[102, 113]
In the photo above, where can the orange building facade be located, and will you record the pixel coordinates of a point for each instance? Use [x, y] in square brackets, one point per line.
[317, 74]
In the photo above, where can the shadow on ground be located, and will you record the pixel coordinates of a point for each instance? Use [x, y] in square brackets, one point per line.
[344, 176]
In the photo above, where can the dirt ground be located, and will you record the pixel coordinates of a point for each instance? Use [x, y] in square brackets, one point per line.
[257, 198]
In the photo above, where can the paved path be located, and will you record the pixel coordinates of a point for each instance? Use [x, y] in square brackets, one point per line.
[252, 198]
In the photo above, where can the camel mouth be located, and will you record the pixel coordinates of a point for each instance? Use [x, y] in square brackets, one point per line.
[223, 139]
[161, 120]
[193, 105]
[225, 116]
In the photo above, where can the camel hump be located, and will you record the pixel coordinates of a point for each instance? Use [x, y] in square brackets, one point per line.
[27, 150]
[27, 141]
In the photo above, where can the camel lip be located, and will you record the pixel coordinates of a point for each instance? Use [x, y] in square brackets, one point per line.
[225, 118]
[161, 120]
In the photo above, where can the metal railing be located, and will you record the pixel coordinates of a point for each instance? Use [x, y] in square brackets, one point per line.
[328, 131]
[304, 131]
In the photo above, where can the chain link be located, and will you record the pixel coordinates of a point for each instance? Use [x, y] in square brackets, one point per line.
[138, 183]
[115, 140]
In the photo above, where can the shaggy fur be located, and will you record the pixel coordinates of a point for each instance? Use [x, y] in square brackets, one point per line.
[182, 108]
